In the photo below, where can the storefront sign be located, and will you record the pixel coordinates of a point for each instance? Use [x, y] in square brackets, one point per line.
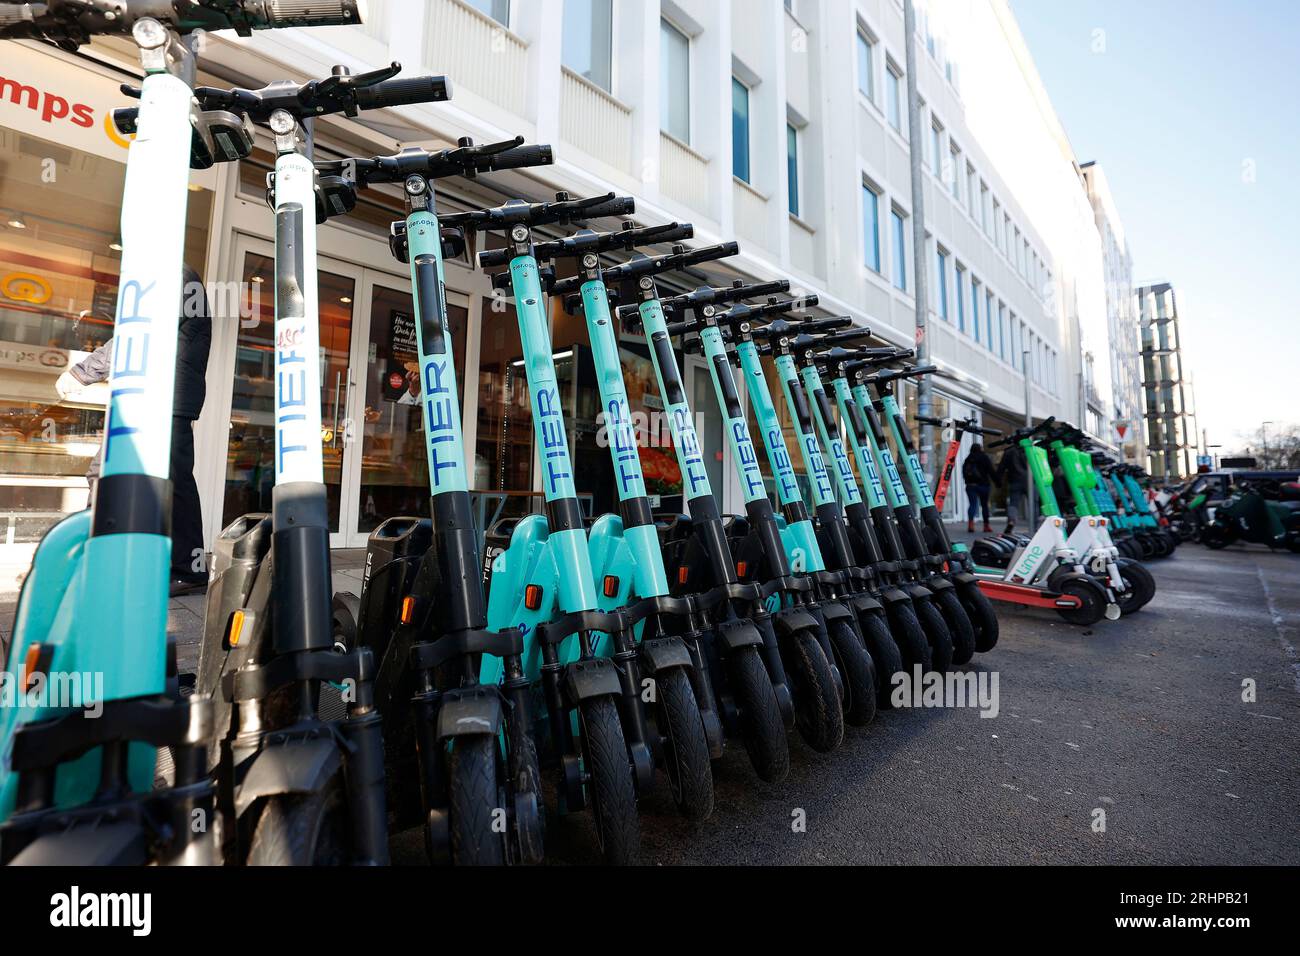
[33, 357]
[45, 95]
[401, 382]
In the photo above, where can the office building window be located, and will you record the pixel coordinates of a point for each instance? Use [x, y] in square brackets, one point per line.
[894, 96]
[899, 231]
[1002, 331]
[988, 320]
[936, 142]
[587, 41]
[871, 227]
[498, 10]
[674, 82]
[995, 227]
[959, 283]
[972, 192]
[792, 166]
[866, 65]
[739, 130]
[941, 281]
[953, 172]
[975, 308]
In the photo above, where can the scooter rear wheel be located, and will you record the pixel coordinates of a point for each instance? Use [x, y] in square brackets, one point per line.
[303, 829]
[611, 791]
[910, 637]
[959, 625]
[473, 793]
[760, 714]
[982, 616]
[817, 711]
[859, 671]
[937, 634]
[686, 751]
[1093, 601]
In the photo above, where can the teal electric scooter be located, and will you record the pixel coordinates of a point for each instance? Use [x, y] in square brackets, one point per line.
[78, 772]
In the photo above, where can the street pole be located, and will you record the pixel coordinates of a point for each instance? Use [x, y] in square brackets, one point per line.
[916, 151]
[1029, 421]
[1263, 434]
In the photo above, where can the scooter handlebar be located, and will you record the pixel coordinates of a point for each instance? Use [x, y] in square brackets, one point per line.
[587, 241]
[404, 92]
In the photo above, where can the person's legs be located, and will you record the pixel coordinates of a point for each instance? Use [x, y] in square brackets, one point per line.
[983, 491]
[187, 513]
[1014, 496]
[972, 506]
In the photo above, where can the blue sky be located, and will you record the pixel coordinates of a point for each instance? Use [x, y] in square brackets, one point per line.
[1191, 106]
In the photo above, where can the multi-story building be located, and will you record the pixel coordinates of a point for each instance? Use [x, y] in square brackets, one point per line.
[1126, 429]
[783, 126]
[1169, 412]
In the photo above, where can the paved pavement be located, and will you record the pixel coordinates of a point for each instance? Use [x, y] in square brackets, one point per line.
[1141, 718]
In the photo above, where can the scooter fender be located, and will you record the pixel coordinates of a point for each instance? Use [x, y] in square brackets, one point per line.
[912, 592]
[738, 634]
[297, 766]
[839, 611]
[469, 712]
[584, 680]
[661, 653]
[863, 605]
[936, 583]
[792, 620]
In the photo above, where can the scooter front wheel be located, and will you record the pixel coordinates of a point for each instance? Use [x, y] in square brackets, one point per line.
[817, 711]
[686, 751]
[472, 782]
[985, 620]
[1139, 586]
[937, 634]
[761, 724]
[854, 662]
[959, 625]
[611, 791]
[885, 654]
[303, 829]
[909, 635]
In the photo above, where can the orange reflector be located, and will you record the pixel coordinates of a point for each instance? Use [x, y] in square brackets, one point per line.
[533, 597]
[683, 573]
[741, 568]
[408, 609]
[29, 664]
[236, 628]
[611, 585]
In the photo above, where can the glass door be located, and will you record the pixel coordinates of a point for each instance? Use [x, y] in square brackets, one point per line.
[394, 471]
[250, 472]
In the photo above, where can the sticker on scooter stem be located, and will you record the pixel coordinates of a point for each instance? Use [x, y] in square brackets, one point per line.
[781, 464]
[679, 415]
[622, 438]
[556, 467]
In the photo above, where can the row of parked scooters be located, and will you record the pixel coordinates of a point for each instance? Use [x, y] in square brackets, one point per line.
[611, 652]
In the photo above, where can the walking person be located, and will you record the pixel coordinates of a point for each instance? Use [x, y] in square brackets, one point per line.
[1013, 471]
[194, 338]
[977, 472]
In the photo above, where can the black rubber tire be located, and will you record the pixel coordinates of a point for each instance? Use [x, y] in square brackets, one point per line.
[859, 673]
[885, 654]
[611, 791]
[936, 633]
[905, 626]
[1141, 586]
[1090, 593]
[817, 711]
[959, 625]
[686, 751]
[982, 616]
[1215, 538]
[762, 726]
[304, 829]
[473, 797]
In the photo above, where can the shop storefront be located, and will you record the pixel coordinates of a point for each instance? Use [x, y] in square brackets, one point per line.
[59, 255]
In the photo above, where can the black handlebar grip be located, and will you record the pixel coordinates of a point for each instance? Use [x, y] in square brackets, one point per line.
[927, 420]
[493, 257]
[846, 335]
[520, 157]
[618, 206]
[682, 327]
[320, 13]
[403, 92]
[824, 325]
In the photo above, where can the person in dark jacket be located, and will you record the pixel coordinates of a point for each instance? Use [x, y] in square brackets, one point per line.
[1013, 471]
[193, 341]
[977, 472]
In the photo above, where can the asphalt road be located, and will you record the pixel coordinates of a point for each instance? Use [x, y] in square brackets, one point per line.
[1141, 718]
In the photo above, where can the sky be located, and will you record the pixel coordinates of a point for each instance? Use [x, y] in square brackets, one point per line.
[1192, 107]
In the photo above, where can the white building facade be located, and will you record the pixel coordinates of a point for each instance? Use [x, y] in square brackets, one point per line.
[1125, 426]
[783, 127]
